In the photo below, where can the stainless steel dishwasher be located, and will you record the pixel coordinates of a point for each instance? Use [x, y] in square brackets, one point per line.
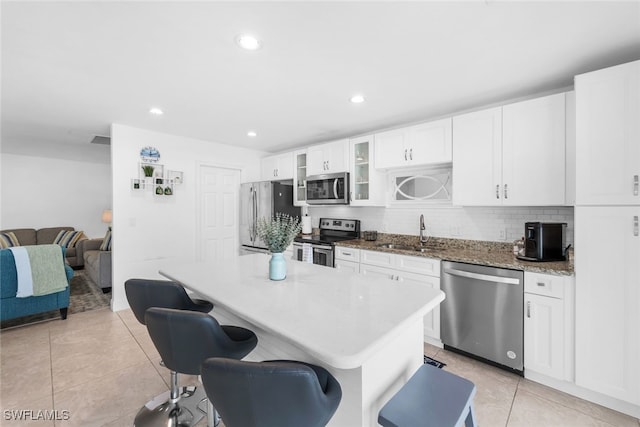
[482, 314]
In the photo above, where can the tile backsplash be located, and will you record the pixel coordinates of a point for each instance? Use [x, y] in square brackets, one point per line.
[496, 224]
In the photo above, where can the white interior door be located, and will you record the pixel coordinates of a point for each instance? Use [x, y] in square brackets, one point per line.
[217, 236]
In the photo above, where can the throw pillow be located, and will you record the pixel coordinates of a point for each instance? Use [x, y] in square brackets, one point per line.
[68, 239]
[106, 242]
[8, 240]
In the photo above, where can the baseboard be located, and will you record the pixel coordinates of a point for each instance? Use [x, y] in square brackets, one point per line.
[583, 393]
[433, 341]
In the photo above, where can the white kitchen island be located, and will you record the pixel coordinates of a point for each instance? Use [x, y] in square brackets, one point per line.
[368, 332]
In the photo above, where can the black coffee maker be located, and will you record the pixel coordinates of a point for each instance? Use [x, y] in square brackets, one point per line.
[544, 241]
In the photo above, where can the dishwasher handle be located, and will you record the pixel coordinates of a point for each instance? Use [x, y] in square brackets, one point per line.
[483, 277]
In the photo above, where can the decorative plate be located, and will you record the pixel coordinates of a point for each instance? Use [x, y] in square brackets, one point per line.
[149, 154]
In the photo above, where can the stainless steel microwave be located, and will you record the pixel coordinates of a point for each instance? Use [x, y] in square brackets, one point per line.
[328, 189]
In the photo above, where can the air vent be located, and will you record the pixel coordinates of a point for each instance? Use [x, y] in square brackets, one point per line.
[102, 140]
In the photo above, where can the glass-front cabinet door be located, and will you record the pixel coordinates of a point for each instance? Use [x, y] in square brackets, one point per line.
[367, 184]
[300, 178]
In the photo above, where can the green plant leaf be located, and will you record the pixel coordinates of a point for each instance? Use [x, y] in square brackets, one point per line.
[278, 233]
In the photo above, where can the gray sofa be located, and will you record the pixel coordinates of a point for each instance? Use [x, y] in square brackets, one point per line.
[97, 263]
[45, 236]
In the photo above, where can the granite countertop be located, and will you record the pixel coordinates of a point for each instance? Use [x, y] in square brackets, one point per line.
[494, 254]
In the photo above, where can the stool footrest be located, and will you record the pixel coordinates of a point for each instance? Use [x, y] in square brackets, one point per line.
[431, 397]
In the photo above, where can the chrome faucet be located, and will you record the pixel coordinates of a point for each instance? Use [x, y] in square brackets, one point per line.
[423, 238]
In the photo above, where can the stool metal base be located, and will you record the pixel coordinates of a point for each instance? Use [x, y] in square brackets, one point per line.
[161, 411]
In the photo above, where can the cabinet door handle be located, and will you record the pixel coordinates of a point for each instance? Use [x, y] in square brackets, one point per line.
[505, 192]
[405, 154]
[529, 309]
[497, 191]
[636, 184]
[636, 227]
[346, 253]
[411, 154]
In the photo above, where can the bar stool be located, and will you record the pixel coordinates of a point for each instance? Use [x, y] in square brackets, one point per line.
[185, 339]
[431, 397]
[143, 294]
[278, 393]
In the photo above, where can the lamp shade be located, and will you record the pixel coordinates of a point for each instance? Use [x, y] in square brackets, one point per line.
[107, 216]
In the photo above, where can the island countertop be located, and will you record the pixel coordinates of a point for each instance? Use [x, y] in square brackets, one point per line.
[338, 317]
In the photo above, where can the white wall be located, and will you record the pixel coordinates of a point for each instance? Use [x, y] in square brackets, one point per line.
[473, 223]
[40, 192]
[150, 231]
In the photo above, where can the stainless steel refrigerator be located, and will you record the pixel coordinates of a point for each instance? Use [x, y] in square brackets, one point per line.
[262, 200]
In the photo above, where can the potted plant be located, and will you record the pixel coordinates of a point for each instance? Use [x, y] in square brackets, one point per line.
[278, 233]
[148, 170]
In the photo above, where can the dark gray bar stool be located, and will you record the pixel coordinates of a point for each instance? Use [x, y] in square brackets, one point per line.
[143, 294]
[431, 398]
[278, 393]
[185, 339]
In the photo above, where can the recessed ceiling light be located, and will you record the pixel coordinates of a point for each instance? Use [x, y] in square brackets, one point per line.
[252, 134]
[249, 42]
[357, 99]
[156, 111]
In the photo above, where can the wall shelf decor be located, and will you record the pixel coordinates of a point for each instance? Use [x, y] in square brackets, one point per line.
[175, 176]
[152, 176]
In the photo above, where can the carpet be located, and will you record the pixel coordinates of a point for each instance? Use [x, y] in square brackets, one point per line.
[84, 296]
[434, 362]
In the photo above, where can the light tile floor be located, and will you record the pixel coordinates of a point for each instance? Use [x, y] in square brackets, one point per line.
[102, 367]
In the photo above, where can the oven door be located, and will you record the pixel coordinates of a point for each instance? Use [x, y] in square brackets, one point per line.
[329, 189]
[322, 254]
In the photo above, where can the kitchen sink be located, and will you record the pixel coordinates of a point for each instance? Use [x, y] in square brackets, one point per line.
[395, 246]
[405, 247]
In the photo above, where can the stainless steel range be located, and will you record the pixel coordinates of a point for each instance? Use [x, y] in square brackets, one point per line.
[322, 245]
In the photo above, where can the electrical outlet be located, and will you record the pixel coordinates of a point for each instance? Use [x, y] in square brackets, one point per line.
[454, 230]
[503, 234]
[385, 226]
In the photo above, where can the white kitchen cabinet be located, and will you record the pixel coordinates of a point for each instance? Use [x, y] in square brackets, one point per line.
[402, 268]
[512, 155]
[608, 136]
[477, 158]
[347, 259]
[330, 157]
[607, 264]
[277, 167]
[533, 152]
[418, 145]
[300, 178]
[347, 254]
[348, 266]
[368, 185]
[549, 325]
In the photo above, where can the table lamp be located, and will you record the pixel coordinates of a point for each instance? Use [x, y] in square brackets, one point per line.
[107, 217]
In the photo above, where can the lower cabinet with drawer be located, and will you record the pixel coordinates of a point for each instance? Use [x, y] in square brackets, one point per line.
[401, 268]
[347, 259]
[549, 326]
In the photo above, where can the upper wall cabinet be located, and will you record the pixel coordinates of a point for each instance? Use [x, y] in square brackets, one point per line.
[277, 167]
[367, 184]
[331, 157]
[608, 136]
[512, 155]
[423, 144]
[300, 178]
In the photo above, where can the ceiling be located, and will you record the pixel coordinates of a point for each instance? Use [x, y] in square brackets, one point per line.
[70, 69]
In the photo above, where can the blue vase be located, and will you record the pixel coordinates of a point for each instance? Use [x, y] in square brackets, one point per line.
[277, 267]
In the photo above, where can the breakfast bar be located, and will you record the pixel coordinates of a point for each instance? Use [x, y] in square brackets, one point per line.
[367, 332]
